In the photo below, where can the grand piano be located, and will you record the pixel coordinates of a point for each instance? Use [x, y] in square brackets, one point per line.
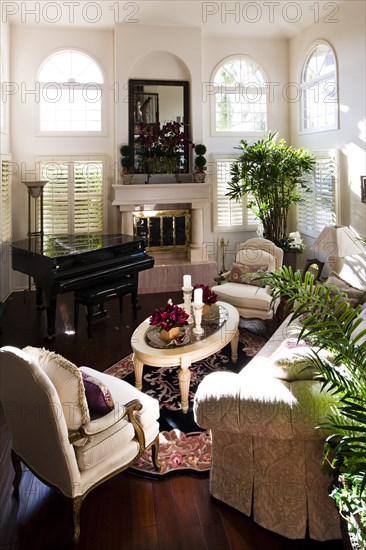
[64, 263]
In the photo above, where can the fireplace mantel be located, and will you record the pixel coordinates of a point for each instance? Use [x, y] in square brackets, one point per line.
[144, 196]
[161, 193]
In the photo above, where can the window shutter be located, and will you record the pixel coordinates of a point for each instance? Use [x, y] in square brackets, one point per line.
[73, 199]
[55, 197]
[5, 201]
[88, 190]
[319, 208]
[230, 214]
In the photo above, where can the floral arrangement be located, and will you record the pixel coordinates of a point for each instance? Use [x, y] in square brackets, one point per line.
[208, 296]
[169, 317]
[163, 146]
[292, 243]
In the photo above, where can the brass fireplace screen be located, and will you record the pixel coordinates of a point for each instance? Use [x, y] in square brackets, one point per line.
[163, 229]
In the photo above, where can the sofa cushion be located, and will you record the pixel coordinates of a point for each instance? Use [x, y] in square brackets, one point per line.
[98, 396]
[246, 274]
[251, 256]
[355, 295]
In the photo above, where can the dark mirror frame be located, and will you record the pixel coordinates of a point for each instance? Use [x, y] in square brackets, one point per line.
[135, 87]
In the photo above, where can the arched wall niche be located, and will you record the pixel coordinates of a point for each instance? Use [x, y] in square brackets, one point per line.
[160, 65]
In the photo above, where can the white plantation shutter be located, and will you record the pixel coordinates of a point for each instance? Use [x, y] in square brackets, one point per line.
[88, 196]
[73, 198]
[230, 215]
[55, 197]
[319, 208]
[5, 200]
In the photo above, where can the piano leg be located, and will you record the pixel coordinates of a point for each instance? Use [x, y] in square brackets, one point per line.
[39, 298]
[51, 317]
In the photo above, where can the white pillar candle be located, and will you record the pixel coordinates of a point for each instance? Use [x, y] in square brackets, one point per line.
[187, 281]
[198, 296]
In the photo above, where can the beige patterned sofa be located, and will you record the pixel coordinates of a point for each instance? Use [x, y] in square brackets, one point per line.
[266, 451]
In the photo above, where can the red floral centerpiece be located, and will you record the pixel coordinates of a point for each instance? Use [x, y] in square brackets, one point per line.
[169, 318]
[209, 298]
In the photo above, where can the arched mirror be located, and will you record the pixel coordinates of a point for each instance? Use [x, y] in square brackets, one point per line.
[159, 126]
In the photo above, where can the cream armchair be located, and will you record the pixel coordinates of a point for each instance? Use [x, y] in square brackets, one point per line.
[48, 402]
[251, 301]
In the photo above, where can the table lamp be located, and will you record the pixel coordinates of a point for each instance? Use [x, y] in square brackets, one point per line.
[336, 242]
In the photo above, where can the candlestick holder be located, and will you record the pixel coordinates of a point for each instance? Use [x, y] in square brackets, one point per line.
[187, 297]
[197, 310]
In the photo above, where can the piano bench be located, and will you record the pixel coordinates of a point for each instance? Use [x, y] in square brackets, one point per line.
[98, 294]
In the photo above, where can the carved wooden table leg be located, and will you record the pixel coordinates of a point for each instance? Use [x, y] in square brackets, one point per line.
[138, 368]
[184, 377]
[234, 347]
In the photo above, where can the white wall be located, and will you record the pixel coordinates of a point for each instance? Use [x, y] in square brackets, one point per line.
[272, 56]
[5, 267]
[27, 143]
[348, 38]
[152, 52]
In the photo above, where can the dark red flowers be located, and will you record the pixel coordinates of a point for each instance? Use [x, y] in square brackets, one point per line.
[169, 316]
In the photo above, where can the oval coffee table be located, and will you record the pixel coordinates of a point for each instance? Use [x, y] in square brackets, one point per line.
[184, 355]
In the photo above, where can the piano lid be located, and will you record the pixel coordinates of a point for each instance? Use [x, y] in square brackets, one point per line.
[55, 246]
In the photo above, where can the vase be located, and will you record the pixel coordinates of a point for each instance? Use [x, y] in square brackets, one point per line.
[169, 335]
[206, 309]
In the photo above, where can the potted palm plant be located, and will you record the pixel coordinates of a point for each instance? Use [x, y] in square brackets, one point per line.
[273, 175]
[330, 323]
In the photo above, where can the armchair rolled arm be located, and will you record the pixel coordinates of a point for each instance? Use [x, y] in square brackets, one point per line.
[120, 412]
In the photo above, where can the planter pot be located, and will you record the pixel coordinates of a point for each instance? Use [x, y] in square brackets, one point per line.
[199, 177]
[290, 260]
[169, 335]
[127, 179]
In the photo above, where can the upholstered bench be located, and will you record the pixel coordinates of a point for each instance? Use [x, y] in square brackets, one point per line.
[98, 294]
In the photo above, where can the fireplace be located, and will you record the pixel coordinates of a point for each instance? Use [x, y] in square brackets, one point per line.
[173, 258]
[163, 229]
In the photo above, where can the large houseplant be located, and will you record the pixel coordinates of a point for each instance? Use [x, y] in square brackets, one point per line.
[273, 174]
[330, 323]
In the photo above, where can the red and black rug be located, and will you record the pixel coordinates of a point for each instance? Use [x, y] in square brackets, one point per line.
[184, 446]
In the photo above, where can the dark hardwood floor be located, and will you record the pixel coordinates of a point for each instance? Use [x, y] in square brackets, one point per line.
[127, 512]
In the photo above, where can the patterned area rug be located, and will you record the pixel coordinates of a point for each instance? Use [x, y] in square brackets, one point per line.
[184, 446]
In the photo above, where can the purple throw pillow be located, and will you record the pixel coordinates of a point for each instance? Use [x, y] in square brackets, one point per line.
[98, 396]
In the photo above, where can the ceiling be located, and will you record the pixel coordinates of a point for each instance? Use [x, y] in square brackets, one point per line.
[253, 19]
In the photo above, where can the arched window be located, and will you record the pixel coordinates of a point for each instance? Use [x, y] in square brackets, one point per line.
[70, 93]
[239, 97]
[319, 105]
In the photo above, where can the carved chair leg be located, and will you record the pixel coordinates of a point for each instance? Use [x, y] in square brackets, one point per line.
[76, 507]
[17, 469]
[155, 454]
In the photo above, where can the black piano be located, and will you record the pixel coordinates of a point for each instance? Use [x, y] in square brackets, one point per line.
[64, 263]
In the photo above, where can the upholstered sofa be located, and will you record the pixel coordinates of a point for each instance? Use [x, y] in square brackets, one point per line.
[266, 451]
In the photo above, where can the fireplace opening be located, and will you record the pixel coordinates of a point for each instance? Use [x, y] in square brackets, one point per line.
[163, 229]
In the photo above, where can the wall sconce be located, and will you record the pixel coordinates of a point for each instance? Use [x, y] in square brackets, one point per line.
[337, 242]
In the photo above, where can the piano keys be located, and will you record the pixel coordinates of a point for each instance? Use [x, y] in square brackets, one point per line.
[64, 263]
